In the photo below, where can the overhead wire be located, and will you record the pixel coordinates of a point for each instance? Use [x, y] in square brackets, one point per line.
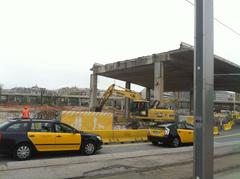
[220, 22]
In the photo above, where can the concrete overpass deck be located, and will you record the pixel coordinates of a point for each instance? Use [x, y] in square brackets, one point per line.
[176, 69]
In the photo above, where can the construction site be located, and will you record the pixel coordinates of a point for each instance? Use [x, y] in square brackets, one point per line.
[119, 89]
[122, 116]
[165, 97]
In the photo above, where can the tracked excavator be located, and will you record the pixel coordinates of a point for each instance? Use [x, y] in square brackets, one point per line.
[141, 109]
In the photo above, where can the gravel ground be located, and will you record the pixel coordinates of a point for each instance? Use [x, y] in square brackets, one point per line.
[8, 115]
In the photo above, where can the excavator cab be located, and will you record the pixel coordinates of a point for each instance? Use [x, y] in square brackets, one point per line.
[139, 108]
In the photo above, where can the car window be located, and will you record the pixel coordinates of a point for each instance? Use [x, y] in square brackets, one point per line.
[63, 128]
[41, 127]
[189, 126]
[17, 127]
[4, 124]
[181, 125]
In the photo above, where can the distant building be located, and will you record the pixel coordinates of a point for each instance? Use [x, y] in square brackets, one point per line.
[75, 96]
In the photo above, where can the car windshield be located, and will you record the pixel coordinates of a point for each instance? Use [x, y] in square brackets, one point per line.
[159, 126]
[4, 124]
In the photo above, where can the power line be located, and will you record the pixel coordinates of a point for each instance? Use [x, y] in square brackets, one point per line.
[220, 22]
[228, 27]
[190, 2]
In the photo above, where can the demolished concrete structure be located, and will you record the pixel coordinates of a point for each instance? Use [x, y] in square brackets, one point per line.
[166, 71]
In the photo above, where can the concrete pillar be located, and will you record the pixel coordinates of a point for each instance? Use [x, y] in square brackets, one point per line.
[127, 102]
[8, 98]
[122, 105]
[93, 92]
[158, 80]
[148, 94]
[79, 102]
[28, 100]
[68, 101]
[113, 103]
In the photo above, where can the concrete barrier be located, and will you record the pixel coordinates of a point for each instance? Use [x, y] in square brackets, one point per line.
[88, 120]
[231, 123]
[118, 136]
[227, 126]
[107, 135]
[215, 130]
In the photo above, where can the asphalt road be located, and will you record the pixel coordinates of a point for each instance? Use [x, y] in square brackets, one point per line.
[224, 137]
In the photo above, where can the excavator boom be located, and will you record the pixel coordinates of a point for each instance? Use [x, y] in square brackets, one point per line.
[118, 90]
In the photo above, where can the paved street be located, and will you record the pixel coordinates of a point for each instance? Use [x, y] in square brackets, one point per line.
[224, 137]
[162, 163]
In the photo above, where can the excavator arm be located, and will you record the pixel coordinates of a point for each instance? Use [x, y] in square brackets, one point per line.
[113, 89]
[104, 98]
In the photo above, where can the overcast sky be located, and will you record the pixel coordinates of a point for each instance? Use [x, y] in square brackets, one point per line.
[54, 43]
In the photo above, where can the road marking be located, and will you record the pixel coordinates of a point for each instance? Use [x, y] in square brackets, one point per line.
[125, 145]
[238, 134]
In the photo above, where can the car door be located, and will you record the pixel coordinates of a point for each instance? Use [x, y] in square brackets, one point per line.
[66, 138]
[13, 134]
[185, 133]
[190, 130]
[42, 136]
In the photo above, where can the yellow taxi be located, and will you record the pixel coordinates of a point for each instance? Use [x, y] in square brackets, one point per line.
[23, 137]
[173, 134]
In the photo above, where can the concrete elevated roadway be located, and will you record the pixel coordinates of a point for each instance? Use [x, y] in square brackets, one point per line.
[166, 71]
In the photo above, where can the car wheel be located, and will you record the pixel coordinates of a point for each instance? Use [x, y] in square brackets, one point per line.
[175, 142]
[155, 143]
[89, 148]
[22, 151]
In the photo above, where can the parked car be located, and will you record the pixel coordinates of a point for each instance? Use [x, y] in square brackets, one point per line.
[172, 134]
[23, 137]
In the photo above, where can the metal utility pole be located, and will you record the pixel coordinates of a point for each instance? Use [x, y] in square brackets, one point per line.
[203, 90]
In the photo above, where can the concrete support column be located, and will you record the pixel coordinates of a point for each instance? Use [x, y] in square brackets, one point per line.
[127, 102]
[122, 105]
[93, 92]
[148, 94]
[79, 102]
[28, 100]
[158, 80]
[68, 101]
[113, 103]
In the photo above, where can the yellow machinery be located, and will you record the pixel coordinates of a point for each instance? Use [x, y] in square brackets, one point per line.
[236, 116]
[140, 108]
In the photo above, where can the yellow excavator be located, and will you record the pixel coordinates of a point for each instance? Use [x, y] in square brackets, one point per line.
[140, 109]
